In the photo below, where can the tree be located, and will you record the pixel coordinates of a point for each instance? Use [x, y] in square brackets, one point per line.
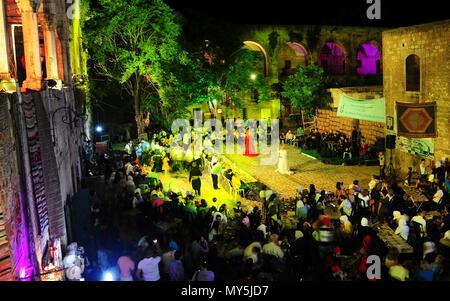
[132, 43]
[307, 89]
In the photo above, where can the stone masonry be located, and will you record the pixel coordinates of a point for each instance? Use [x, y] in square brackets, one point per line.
[431, 43]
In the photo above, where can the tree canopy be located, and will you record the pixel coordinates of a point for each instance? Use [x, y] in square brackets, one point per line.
[131, 43]
[307, 89]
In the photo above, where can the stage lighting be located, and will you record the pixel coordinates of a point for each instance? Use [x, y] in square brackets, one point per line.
[108, 276]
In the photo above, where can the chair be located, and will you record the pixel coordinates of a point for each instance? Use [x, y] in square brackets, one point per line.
[347, 152]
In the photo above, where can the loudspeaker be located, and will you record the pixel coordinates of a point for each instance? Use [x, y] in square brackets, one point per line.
[380, 145]
[390, 141]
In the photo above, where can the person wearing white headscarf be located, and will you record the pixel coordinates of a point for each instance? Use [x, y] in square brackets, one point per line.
[422, 222]
[402, 229]
[73, 263]
[346, 225]
[364, 222]
[428, 248]
[445, 241]
[301, 210]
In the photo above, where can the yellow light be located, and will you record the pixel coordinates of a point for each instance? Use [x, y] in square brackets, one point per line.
[253, 76]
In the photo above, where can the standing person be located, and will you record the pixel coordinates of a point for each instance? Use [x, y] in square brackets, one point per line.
[283, 166]
[165, 165]
[355, 137]
[195, 175]
[382, 165]
[199, 250]
[203, 274]
[423, 170]
[249, 148]
[148, 267]
[216, 170]
[126, 267]
[176, 268]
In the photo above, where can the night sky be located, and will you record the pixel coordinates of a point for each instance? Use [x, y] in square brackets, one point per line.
[394, 13]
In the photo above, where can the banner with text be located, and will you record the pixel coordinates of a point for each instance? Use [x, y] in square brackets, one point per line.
[362, 109]
[421, 147]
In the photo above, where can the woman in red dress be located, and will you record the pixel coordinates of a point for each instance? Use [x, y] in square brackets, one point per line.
[249, 149]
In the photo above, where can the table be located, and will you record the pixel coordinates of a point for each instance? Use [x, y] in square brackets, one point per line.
[392, 240]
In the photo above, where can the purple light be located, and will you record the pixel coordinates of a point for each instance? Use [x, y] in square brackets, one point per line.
[22, 253]
[370, 59]
[332, 58]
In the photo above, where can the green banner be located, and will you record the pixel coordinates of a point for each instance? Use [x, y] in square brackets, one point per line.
[363, 109]
[421, 147]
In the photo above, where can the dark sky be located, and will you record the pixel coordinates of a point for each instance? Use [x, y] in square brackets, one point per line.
[394, 13]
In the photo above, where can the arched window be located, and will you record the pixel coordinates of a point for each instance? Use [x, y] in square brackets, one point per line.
[291, 56]
[413, 73]
[253, 46]
[369, 59]
[332, 59]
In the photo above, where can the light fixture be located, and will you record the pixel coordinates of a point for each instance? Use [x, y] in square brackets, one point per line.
[108, 276]
[99, 129]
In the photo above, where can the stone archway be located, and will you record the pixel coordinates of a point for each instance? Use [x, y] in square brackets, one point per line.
[332, 58]
[368, 58]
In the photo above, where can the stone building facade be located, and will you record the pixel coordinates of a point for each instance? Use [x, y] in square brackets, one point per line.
[327, 120]
[42, 117]
[350, 55]
[429, 45]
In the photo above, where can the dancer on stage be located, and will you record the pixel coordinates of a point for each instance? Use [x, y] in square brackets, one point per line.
[283, 166]
[249, 148]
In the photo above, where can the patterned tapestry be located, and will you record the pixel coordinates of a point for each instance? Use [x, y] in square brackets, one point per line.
[416, 120]
[34, 150]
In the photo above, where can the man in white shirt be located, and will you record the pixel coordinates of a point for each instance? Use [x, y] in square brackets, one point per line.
[346, 206]
[438, 195]
[148, 268]
[423, 170]
[272, 247]
[422, 222]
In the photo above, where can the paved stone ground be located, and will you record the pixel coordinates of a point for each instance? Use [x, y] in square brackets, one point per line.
[307, 171]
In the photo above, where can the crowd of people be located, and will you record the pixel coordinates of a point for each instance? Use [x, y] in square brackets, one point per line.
[332, 143]
[182, 236]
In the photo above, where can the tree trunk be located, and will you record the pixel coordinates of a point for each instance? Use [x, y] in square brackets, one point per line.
[142, 118]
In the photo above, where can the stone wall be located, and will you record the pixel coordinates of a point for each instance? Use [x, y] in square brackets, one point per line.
[431, 43]
[16, 254]
[312, 39]
[328, 121]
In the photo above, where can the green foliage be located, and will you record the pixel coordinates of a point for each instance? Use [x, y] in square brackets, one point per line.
[307, 89]
[273, 41]
[238, 76]
[131, 43]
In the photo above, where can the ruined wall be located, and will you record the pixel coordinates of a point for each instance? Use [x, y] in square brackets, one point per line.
[431, 43]
[16, 254]
[327, 119]
[312, 38]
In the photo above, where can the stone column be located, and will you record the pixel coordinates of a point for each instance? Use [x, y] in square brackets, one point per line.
[7, 83]
[31, 48]
[51, 57]
[4, 65]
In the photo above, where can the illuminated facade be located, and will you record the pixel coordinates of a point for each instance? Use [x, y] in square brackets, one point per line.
[42, 117]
